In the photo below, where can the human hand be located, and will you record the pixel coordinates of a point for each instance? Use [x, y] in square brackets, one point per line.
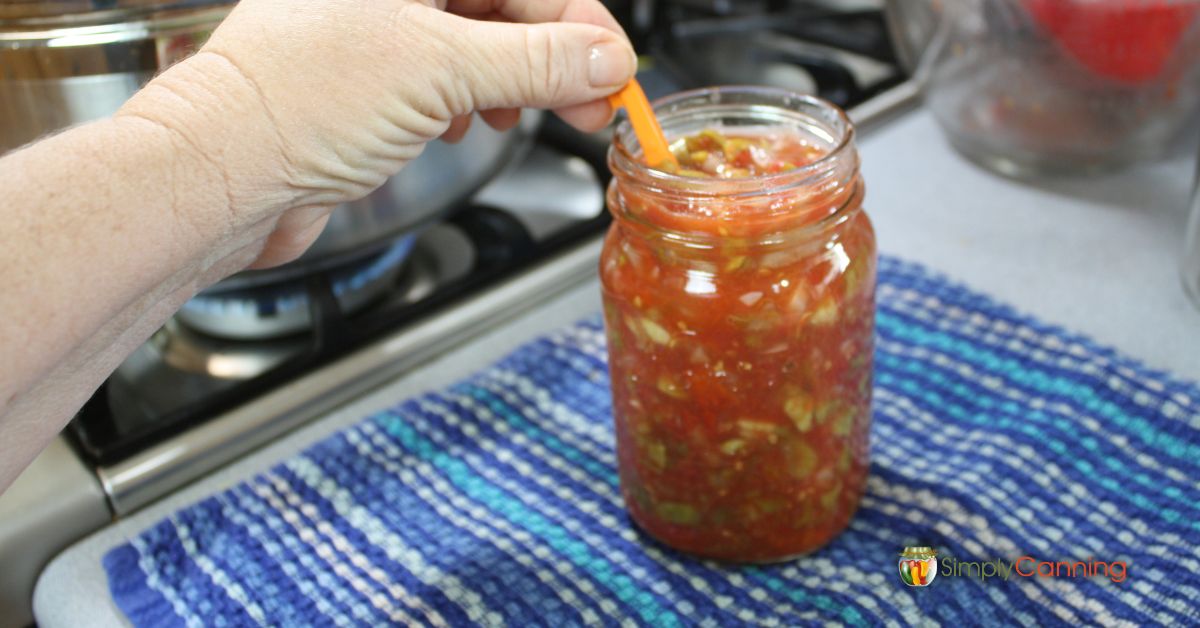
[303, 106]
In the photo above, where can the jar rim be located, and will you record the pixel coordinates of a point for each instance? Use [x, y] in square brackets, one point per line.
[830, 183]
[782, 237]
[623, 160]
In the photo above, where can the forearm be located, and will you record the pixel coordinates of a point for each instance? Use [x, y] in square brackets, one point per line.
[236, 156]
[106, 229]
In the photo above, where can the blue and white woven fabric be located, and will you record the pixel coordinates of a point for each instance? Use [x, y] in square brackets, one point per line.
[496, 501]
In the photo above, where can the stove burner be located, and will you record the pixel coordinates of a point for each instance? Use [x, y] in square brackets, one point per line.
[180, 349]
[266, 312]
[407, 272]
[179, 364]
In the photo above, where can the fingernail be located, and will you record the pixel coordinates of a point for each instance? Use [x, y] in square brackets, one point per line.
[610, 64]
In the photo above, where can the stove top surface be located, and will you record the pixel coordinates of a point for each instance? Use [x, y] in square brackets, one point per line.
[227, 348]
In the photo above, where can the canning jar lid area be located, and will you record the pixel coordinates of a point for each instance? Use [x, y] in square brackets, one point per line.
[706, 108]
[832, 178]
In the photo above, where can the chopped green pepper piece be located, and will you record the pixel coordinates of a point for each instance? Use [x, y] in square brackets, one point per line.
[802, 460]
[751, 428]
[769, 506]
[720, 517]
[829, 499]
[799, 408]
[707, 139]
[656, 332]
[669, 388]
[827, 312]
[839, 416]
[734, 146]
[732, 446]
[844, 460]
[843, 422]
[656, 451]
[633, 326]
[678, 513]
[860, 360]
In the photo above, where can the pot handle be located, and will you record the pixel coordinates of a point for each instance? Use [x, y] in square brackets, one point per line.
[499, 238]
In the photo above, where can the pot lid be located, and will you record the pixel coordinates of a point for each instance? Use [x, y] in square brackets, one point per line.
[25, 13]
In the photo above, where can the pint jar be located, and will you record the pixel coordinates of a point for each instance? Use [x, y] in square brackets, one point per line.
[740, 317]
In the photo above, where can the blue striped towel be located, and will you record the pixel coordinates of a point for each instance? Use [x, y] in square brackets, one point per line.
[496, 501]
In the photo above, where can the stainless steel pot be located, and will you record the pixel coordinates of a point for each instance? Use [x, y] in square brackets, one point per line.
[63, 63]
[66, 68]
[442, 178]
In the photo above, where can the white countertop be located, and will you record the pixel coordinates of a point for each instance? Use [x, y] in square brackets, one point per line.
[1096, 256]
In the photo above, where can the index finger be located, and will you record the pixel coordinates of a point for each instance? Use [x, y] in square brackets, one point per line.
[538, 11]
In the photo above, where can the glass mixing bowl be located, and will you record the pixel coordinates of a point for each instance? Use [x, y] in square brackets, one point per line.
[1032, 87]
[1191, 255]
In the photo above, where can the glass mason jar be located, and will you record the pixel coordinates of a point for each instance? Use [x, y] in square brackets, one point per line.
[740, 321]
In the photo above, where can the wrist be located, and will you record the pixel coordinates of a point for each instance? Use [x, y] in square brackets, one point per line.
[228, 153]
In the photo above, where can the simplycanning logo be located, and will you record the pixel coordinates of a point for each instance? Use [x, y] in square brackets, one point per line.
[919, 566]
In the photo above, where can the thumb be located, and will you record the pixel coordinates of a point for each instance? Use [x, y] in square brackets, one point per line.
[548, 65]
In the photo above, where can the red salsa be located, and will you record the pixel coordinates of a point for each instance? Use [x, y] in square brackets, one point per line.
[740, 338]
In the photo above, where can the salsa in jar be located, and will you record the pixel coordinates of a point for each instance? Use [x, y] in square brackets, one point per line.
[739, 306]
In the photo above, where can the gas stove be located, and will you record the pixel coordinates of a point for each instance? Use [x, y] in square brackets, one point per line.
[223, 351]
[235, 370]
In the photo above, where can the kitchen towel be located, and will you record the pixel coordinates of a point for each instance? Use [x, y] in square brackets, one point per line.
[495, 502]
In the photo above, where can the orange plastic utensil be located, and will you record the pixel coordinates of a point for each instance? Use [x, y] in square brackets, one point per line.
[645, 125]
